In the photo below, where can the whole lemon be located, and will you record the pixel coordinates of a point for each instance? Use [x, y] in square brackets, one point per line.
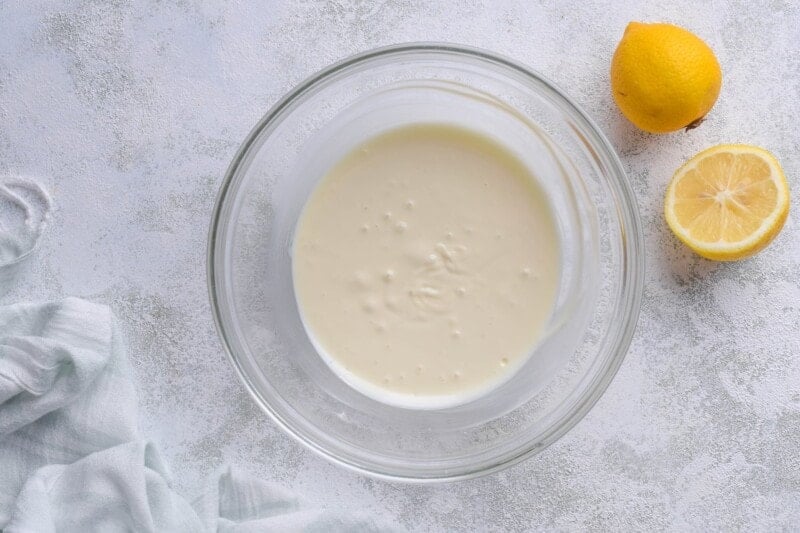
[663, 77]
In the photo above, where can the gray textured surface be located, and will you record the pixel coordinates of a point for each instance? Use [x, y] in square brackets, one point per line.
[129, 112]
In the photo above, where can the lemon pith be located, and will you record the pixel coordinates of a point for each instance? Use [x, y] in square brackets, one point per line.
[728, 202]
[663, 77]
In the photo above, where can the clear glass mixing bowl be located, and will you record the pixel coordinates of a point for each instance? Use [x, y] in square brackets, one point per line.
[289, 150]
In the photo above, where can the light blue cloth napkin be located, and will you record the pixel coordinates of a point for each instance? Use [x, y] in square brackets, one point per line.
[72, 459]
[24, 212]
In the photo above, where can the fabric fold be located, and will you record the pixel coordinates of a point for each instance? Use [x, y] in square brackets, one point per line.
[49, 355]
[72, 458]
[65, 389]
[119, 489]
[236, 502]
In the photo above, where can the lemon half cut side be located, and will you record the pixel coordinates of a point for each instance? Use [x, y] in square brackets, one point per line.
[728, 202]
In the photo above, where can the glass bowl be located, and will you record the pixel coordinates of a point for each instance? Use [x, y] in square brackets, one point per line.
[289, 150]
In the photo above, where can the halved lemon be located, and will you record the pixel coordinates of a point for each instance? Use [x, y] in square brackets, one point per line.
[728, 202]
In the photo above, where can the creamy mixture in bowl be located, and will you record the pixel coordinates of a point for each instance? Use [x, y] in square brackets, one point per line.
[425, 265]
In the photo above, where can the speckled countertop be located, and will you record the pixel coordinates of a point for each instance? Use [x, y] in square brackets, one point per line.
[129, 112]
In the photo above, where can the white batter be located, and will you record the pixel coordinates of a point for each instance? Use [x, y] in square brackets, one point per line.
[425, 265]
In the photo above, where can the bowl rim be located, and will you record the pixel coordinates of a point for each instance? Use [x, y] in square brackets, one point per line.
[632, 260]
